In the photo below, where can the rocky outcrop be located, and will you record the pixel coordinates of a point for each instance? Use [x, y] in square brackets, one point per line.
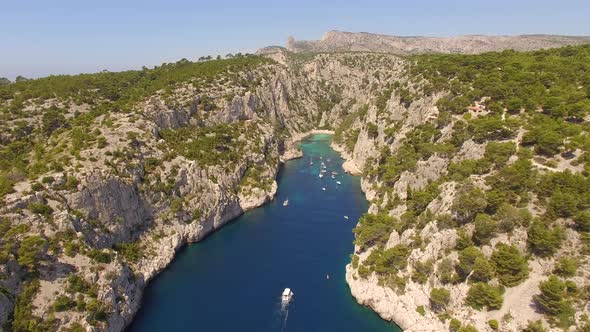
[340, 41]
[117, 206]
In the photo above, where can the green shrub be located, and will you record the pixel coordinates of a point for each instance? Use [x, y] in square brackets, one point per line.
[454, 325]
[582, 220]
[468, 203]
[364, 271]
[30, 251]
[354, 261]
[439, 299]
[513, 182]
[499, 153]
[48, 179]
[37, 187]
[445, 271]
[96, 311]
[420, 309]
[545, 138]
[463, 240]
[553, 301]
[494, 324]
[422, 271]
[23, 318]
[77, 284]
[389, 261]
[40, 208]
[467, 258]
[563, 203]
[76, 327]
[543, 240]
[566, 267]
[100, 256]
[468, 328]
[509, 217]
[482, 270]
[372, 130]
[131, 252]
[63, 303]
[373, 230]
[536, 326]
[482, 295]
[485, 229]
[489, 128]
[511, 267]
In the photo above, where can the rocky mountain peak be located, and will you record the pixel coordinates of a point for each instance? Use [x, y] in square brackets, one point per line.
[341, 41]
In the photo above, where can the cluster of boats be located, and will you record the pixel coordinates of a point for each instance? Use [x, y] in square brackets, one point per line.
[323, 170]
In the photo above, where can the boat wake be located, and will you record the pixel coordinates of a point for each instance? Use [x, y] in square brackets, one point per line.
[284, 313]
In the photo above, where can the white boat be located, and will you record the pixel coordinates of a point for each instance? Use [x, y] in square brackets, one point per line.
[333, 177]
[334, 173]
[321, 175]
[324, 188]
[346, 217]
[286, 202]
[338, 182]
[287, 295]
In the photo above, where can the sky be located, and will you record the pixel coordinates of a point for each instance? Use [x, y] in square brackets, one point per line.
[43, 37]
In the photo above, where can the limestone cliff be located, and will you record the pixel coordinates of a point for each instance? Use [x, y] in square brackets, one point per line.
[340, 41]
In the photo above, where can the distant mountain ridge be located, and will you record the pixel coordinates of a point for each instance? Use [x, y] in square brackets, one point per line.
[340, 41]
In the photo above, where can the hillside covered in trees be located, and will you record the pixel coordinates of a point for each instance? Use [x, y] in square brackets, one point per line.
[511, 146]
[476, 167]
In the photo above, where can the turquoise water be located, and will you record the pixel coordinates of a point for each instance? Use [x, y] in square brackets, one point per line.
[232, 280]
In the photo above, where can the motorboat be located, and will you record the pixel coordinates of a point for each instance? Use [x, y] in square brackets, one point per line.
[286, 202]
[287, 295]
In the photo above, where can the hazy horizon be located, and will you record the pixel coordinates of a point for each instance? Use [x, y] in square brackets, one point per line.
[69, 37]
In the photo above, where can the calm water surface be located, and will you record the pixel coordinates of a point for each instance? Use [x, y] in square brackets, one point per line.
[232, 280]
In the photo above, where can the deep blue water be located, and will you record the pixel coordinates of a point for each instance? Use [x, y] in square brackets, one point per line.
[233, 279]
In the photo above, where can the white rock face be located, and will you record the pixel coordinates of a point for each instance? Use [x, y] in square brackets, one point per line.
[390, 306]
[341, 41]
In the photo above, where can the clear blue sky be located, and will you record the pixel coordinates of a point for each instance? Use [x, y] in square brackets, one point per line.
[62, 36]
